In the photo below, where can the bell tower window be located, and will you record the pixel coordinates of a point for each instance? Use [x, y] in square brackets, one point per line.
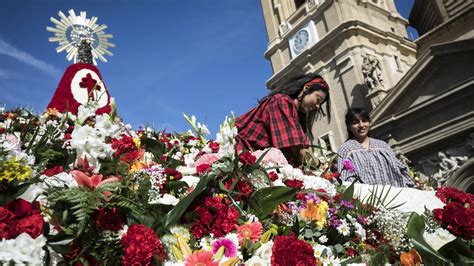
[299, 3]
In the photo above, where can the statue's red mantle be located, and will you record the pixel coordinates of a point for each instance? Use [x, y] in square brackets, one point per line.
[70, 95]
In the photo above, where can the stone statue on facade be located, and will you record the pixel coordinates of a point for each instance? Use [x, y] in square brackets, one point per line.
[448, 164]
[372, 72]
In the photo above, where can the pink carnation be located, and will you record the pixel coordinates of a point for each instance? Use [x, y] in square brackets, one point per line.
[207, 159]
[273, 156]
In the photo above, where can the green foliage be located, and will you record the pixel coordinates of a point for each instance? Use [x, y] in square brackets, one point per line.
[12, 190]
[107, 248]
[173, 216]
[415, 229]
[77, 204]
[266, 200]
[153, 146]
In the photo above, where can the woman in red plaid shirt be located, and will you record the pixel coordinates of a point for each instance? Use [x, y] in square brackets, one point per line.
[284, 118]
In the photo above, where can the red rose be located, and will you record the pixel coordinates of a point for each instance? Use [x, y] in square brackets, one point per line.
[288, 250]
[294, 183]
[214, 146]
[247, 158]
[273, 176]
[4, 232]
[21, 208]
[5, 215]
[108, 219]
[32, 225]
[2, 130]
[202, 168]
[53, 171]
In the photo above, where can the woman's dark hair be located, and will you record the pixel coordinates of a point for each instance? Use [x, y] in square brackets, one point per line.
[293, 88]
[357, 113]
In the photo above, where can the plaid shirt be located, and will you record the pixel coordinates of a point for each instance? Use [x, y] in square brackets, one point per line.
[377, 165]
[273, 123]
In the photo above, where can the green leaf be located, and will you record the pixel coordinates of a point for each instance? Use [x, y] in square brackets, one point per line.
[349, 192]
[415, 229]
[308, 233]
[155, 147]
[173, 216]
[458, 251]
[265, 200]
[339, 248]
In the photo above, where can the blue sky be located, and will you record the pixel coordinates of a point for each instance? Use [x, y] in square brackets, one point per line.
[199, 57]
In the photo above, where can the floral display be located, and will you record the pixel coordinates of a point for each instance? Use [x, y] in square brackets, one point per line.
[88, 189]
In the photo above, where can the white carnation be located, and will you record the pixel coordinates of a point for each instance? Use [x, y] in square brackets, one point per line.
[23, 250]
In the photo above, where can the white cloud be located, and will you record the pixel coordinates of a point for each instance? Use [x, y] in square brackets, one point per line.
[26, 58]
[6, 74]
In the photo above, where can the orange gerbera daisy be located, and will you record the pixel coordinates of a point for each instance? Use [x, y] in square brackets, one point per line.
[251, 231]
[201, 258]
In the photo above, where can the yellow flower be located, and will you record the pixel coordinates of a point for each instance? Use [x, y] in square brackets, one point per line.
[14, 169]
[137, 142]
[137, 165]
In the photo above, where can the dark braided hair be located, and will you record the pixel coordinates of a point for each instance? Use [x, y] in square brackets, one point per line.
[293, 88]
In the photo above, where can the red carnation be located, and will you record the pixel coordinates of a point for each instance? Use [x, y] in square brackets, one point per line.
[131, 156]
[123, 145]
[216, 215]
[273, 176]
[247, 158]
[294, 183]
[140, 244]
[173, 174]
[202, 168]
[108, 219]
[448, 194]
[288, 250]
[53, 171]
[244, 188]
[214, 146]
[454, 217]
[301, 196]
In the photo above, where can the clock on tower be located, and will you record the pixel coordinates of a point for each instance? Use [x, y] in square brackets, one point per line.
[304, 38]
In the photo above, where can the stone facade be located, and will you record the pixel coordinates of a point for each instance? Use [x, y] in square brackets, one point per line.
[419, 93]
[359, 47]
[429, 115]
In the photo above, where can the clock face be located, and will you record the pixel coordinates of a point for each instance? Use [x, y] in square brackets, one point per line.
[301, 39]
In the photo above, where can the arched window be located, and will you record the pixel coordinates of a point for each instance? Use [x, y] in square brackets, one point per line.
[299, 3]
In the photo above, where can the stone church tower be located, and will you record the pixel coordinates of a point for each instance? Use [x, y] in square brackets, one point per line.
[360, 47]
